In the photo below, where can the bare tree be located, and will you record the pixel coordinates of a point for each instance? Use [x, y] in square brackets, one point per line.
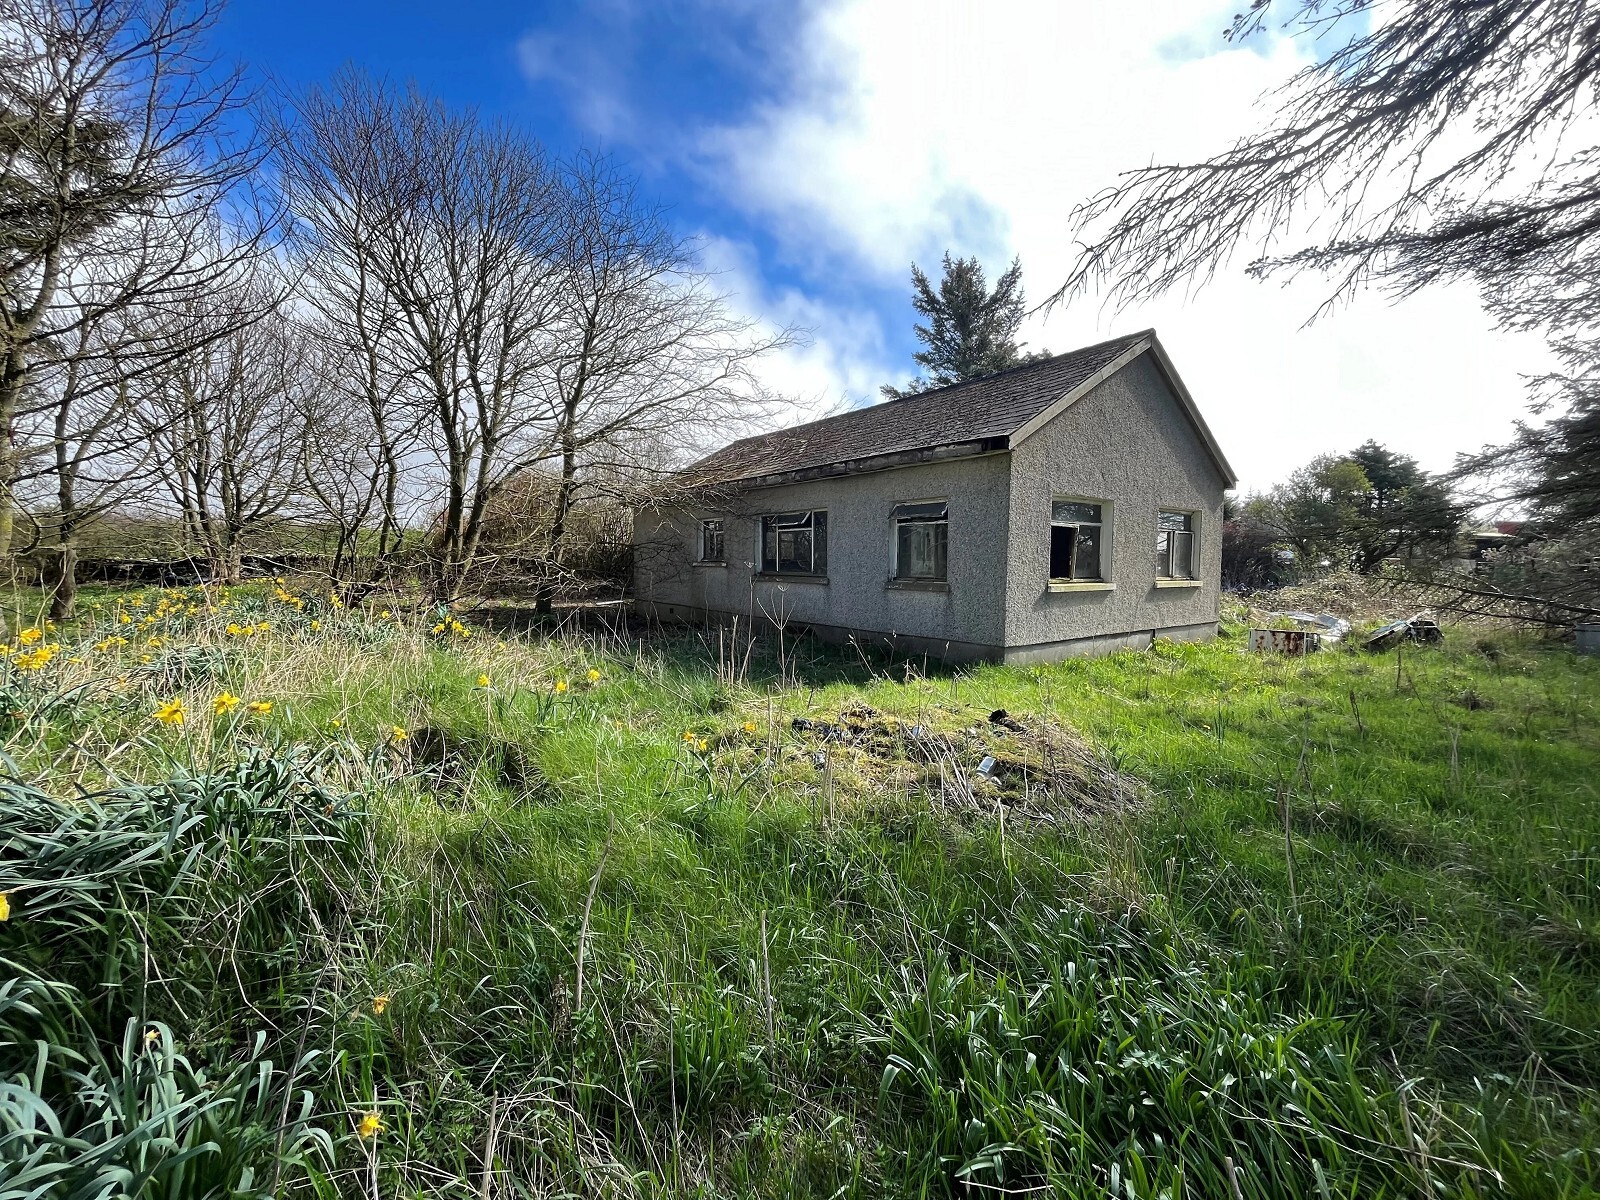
[359, 443]
[115, 156]
[80, 451]
[227, 424]
[448, 227]
[647, 355]
[1447, 140]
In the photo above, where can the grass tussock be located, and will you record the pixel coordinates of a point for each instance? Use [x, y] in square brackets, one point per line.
[306, 901]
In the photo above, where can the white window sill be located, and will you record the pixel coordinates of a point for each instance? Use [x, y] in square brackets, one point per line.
[709, 563]
[1178, 583]
[783, 577]
[1086, 585]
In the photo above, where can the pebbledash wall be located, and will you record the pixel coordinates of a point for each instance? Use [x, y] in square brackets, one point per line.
[1127, 444]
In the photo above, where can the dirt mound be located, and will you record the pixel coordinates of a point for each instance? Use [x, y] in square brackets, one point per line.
[446, 761]
[967, 761]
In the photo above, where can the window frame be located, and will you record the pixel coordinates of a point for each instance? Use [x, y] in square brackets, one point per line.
[702, 558]
[807, 519]
[1103, 578]
[905, 514]
[1163, 562]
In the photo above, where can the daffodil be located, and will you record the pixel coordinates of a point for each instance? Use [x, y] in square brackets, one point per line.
[397, 734]
[5, 906]
[29, 636]
[701, 746]
[35, 659]
[688, 736]
[170, 713]
[483, 681]
[561, 686]
[152, 1036]
[316, 626]
[379, 1003]
[385, 614]
[224, 704]
[335, 723]
[749, 726]
[259, 707]
[594, 676]
[371, 1125]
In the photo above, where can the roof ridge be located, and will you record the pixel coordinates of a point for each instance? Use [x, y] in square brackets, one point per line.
[939, 391]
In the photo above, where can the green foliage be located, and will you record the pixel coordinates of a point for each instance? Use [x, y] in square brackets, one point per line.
[971, 330]
[1357, 510]
[805, 978]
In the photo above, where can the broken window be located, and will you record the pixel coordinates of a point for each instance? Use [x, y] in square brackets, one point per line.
[795, 544]
[1075, 541]
[711, 541]
[921, 541]
[1175, 545]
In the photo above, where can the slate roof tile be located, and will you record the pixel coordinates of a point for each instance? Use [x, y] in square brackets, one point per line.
[979, 410]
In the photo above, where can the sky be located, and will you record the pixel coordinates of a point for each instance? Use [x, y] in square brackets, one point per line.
[817, 149]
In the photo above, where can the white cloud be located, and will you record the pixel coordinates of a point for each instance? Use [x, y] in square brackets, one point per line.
[906, 128]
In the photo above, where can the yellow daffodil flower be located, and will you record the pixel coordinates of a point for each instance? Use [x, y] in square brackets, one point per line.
[224, 704]
[371, 1125]
[259, 707]
[483, 681]
[561, 686]
[170, 713]
[379, 1003]
[5, 906]
[594, 676]
[397, 734]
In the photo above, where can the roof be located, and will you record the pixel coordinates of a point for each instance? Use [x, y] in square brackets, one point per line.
[981, 416]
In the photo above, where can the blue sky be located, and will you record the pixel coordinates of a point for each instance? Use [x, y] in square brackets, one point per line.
[817, 149]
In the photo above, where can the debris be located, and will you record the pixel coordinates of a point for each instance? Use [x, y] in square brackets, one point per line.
[1329, 627]
[1586, 637]
[968, 764]
[1285, 641]
[1421, 627]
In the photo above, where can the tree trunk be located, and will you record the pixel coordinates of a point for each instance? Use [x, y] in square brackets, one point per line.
[558, 528]
[12, 374]
[64, 587]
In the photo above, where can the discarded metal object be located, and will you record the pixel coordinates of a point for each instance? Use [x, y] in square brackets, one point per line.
[1586, 637]
[1005, 720]
[988, 768]
[1285, 641]
[1329, 627]
[1418, 628]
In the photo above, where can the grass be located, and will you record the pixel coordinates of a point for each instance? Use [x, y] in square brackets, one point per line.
[1227, 925]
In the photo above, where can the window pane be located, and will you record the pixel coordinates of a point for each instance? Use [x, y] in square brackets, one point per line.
[1074, 511]
[1163, 563]
[769, 545]
[1086, 553]
[794, 550]
[1182, 555]
[710, 541]
[1173, 520]
[819, 543]
[1062, 538]
[921, 549]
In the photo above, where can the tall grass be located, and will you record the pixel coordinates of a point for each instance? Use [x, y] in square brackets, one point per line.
[799, 977]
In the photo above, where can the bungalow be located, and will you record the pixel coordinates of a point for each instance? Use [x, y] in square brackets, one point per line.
[1069, 506]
